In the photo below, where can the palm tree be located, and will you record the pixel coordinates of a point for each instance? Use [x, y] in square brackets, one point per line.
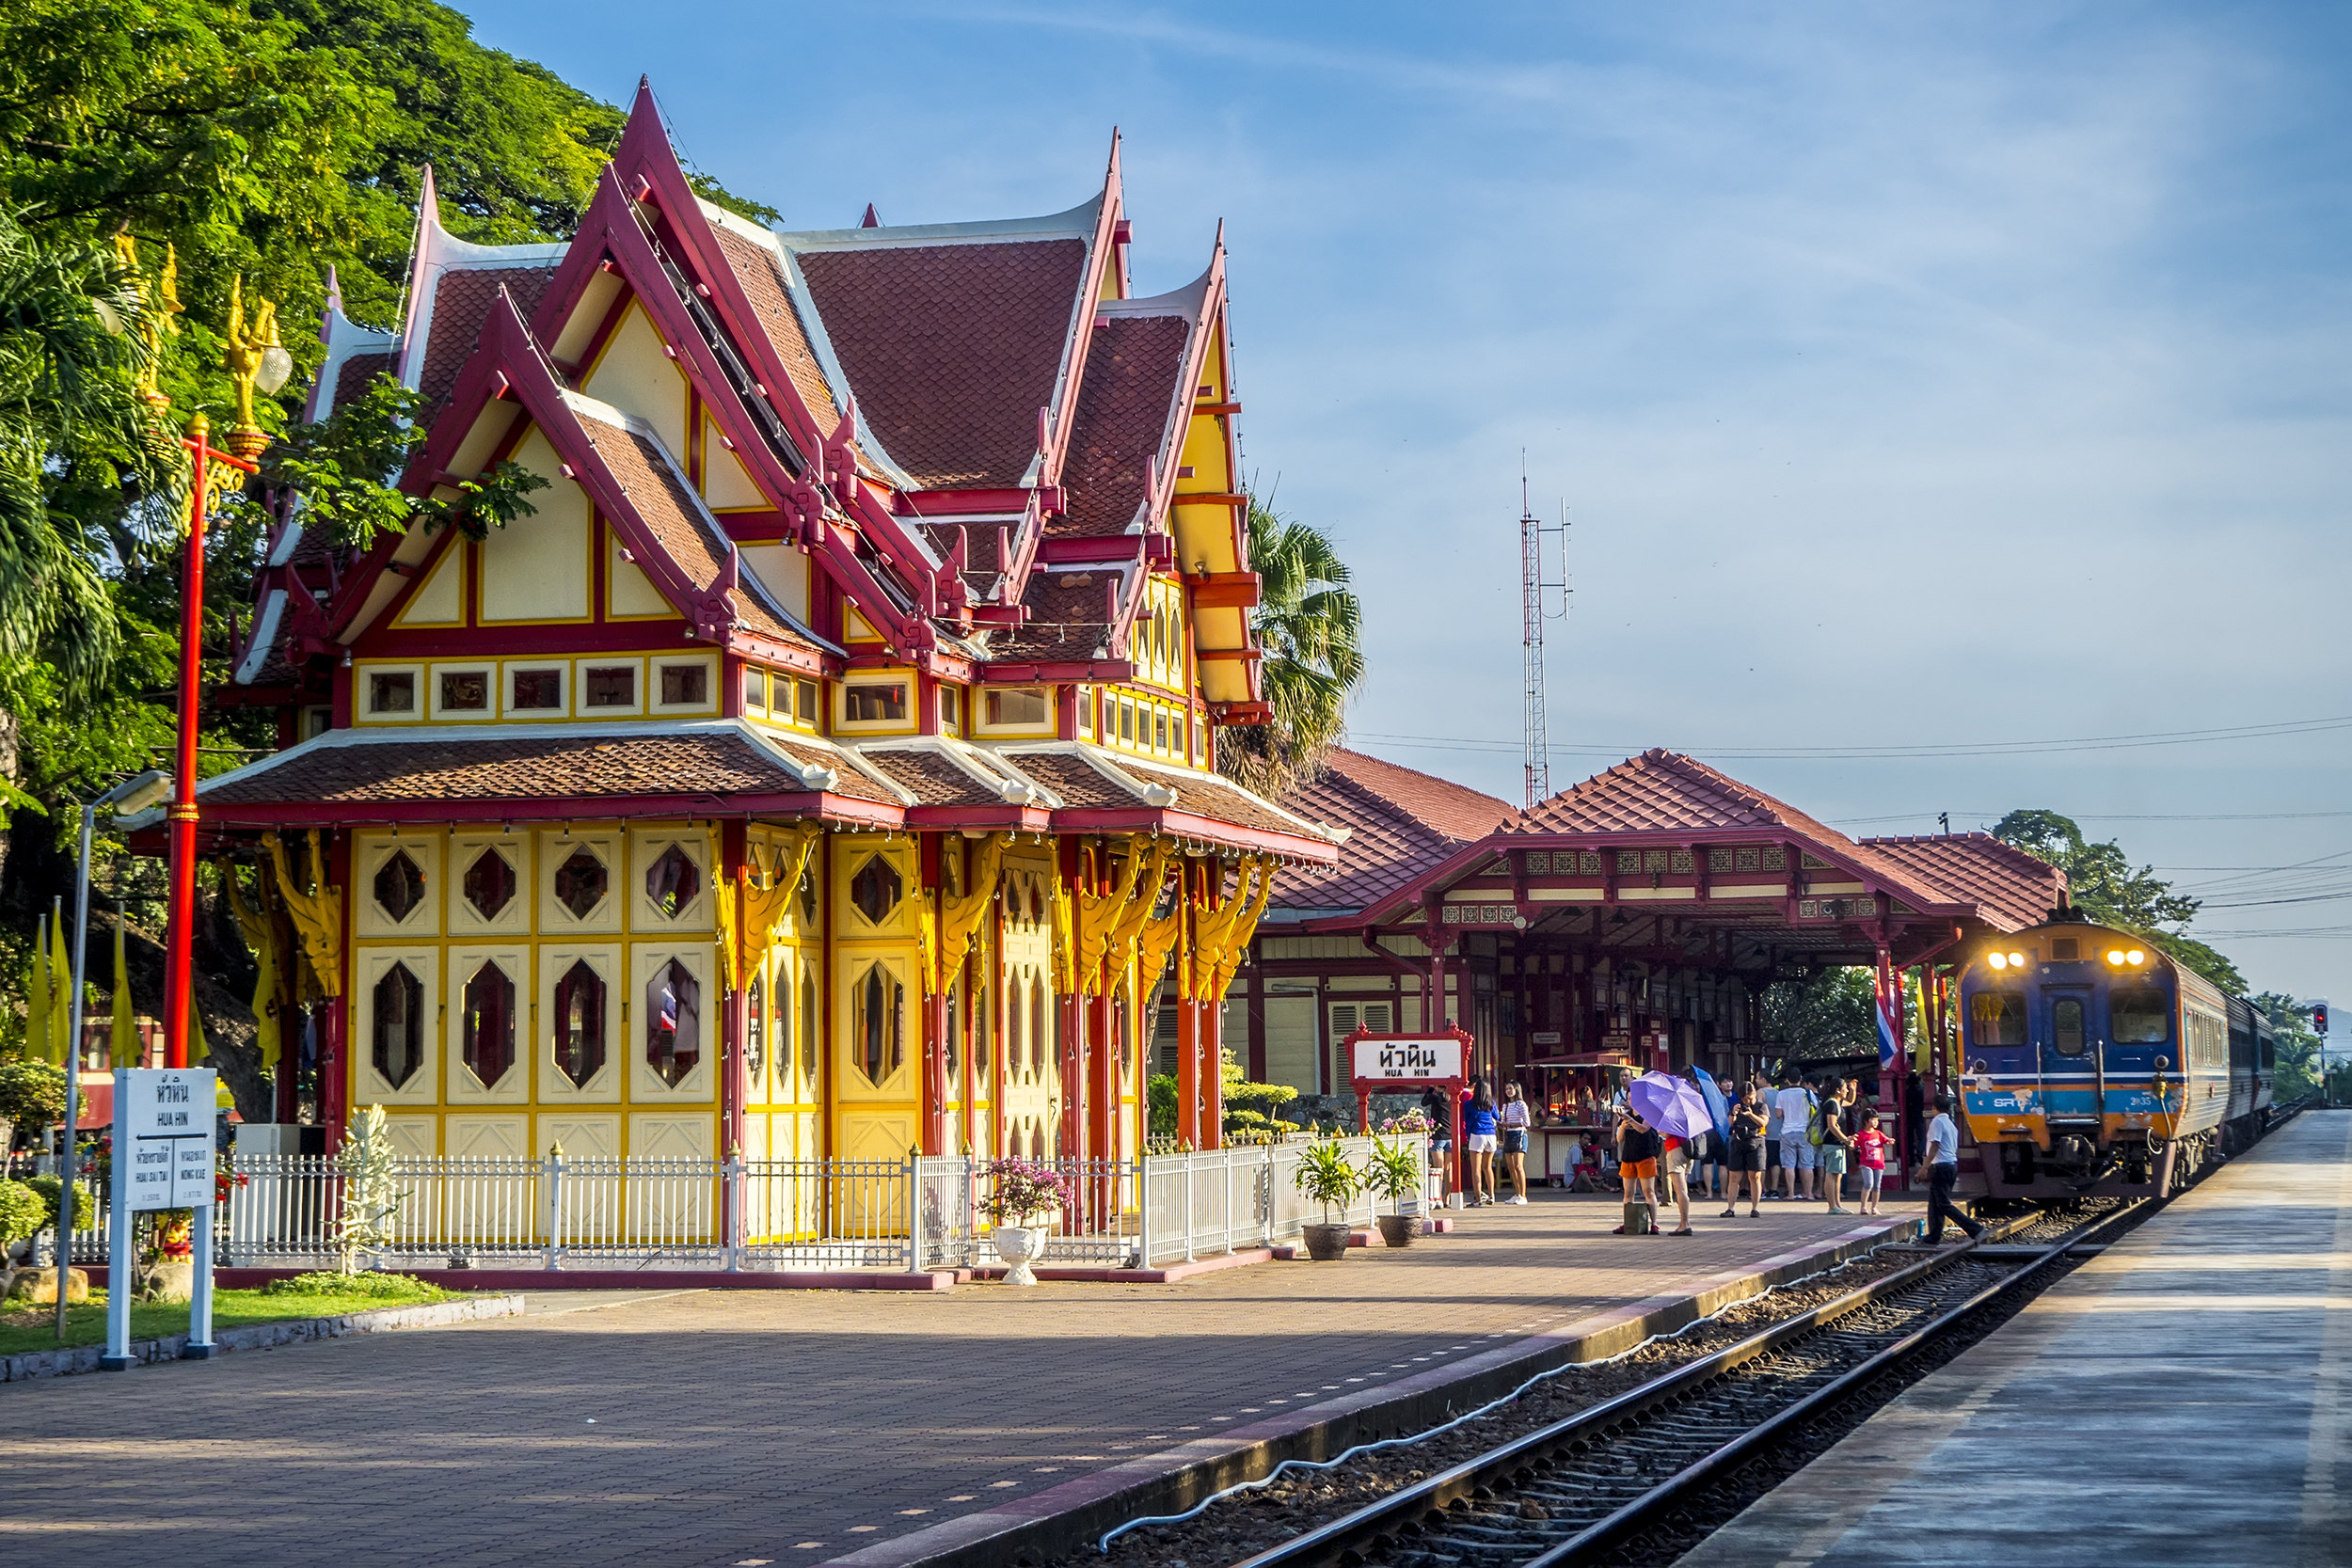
[1307, 621]
[74, 432]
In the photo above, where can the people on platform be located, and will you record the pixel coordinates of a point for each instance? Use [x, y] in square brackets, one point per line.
[1437, 1107]
[1674, 1167]
[1512, 1119]
[1832, 1145]
[1769, 1097]
[1796, 1139]
[1748, 1120]
[1480, 1124]
[1636, 1162]
[1941, 1167]
[1870, 1149]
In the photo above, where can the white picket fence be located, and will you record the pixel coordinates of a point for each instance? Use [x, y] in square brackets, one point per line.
[912, 1215]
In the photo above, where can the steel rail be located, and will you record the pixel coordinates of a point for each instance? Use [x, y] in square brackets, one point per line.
[1389, 1517]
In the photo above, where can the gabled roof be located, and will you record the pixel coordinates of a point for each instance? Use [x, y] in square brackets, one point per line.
[952, 337]
[1400, 823]
[1662, 791]
[1980, 869]
[1134, 361]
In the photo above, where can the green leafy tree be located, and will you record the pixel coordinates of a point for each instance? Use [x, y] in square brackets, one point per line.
[2296, 1042]
[1309, 624]
[2102, 884]
[1831, 1016]
[341, 465]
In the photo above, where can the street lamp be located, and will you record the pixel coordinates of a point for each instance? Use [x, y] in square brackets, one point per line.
[132, 795]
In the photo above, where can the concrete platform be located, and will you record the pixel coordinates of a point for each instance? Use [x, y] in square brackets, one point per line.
[734, 1426]
[2185, 1397]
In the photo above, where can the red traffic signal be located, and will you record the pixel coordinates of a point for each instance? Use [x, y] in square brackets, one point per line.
[2319, 1017]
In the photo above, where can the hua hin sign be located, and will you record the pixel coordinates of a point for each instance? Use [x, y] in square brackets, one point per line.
[1411, 1058]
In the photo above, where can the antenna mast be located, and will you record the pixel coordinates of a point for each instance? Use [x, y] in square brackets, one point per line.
[1537, 758]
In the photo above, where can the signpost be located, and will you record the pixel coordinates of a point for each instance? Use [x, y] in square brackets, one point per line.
[1397, 1064]
[162, 1159]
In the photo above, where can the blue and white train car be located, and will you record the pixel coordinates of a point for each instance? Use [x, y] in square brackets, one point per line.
[2094, 1064]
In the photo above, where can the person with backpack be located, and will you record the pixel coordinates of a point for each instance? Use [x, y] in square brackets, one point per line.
[1797, 1104]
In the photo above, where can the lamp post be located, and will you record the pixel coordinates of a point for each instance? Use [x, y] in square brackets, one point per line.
[132, 795]
[256, 362]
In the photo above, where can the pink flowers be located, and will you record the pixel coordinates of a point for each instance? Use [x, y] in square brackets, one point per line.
[1022, 1191]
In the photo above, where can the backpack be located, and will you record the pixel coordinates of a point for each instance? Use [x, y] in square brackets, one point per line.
[1812, 1118]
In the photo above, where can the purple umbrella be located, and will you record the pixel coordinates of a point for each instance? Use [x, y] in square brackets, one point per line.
[1670, 1105]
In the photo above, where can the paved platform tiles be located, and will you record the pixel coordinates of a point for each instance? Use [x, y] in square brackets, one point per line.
[2184, 1397]
[732, 1427]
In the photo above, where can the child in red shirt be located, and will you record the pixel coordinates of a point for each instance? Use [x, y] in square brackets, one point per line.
[1870, 1147]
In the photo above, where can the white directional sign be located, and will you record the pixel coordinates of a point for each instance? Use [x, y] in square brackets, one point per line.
[164, 1121]
[1412, 1058]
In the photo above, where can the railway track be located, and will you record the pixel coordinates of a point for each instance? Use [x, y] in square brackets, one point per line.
[1659, 1466]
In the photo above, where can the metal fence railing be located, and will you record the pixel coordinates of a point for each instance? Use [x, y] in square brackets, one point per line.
[919, 1214]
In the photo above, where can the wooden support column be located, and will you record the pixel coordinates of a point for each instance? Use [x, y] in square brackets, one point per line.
[1070, 1015]
[1102, 1077]
[735, 1018]
[1188, 1069]
[335, 1017]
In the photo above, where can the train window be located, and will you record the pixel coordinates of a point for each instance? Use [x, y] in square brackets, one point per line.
[1997, 1018]
[2270, 1056]
[2141, 1017]
[2066, 1026]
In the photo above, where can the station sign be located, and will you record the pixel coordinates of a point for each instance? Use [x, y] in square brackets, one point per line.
[1407, 1057]
[164, 1126]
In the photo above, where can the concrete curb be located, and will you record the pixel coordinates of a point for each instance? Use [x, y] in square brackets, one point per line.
[292, 1331]
[1064, 1518]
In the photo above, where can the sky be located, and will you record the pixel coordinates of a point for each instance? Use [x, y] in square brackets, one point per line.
[1935, 392]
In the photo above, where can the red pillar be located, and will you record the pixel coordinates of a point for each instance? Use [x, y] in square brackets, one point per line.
[735, 1022]
[1188, 1069]
[179, 954]
[1212, 1037]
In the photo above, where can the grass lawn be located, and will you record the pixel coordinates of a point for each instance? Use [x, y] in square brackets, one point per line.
[29, 1328]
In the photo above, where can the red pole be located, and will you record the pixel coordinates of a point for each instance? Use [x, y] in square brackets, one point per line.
[178, 955]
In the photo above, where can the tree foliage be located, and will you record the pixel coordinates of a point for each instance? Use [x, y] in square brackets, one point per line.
[2102, 884]
[1830, 1017]
[2296, 1042]
[1309, 624]
[342, 466]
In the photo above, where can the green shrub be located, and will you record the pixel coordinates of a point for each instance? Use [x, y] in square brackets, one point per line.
[389, 1286]
[32, 1094]
[51, 1192]
[21, 1212]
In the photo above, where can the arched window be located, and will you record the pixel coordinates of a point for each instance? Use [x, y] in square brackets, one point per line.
[808, 1029]
[755, 1031]
[399, 885]
[879, 1035]
[673, 881]
[486, 1031]
[398, 1048]
[674, 1026]
[579, 1024]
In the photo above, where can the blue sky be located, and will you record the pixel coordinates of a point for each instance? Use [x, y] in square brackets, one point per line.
[1915, 375]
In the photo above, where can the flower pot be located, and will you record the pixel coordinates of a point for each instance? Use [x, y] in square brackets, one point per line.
[1327, 1243]
[1019, 1245]
[1399, 1229]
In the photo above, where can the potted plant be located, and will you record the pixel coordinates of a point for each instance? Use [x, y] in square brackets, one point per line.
[1022, 1196]
[1396, 1172]
[1325, 1175]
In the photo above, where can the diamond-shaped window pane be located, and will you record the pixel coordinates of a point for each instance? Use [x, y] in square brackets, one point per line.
[755, 1030]
[875, 889]
[880, 1038]
[399, 1017]
[579, 1024]
[673, 1029]
[579, 882]
[489, 884]
[487, 1033]
[673, 881]
[399, 885]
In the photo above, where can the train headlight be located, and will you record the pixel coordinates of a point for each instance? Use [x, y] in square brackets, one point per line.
[2135, 957]
[2017, 960]
[2115, 956]
[1998, 960]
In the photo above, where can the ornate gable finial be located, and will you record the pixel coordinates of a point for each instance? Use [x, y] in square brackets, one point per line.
[872, 218]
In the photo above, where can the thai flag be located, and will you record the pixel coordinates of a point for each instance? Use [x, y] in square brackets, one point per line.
[1890, 1032]
[666, 1019]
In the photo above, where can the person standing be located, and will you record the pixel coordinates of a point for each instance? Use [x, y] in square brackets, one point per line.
[1941, 1166]
[1747, 1154]
[1770, 1100]
[1674, 1165]
[1834, 1142]
[1796, 1139]
[1478, 1145]
[1869, 1149]
[1637, 1162]
[1436, 1107]
[1513, 1119]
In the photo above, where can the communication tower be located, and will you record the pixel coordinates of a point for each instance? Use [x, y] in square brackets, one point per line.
[1538, 760]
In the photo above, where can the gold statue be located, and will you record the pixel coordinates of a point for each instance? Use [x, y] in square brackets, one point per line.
[162, 303]
[256, 360]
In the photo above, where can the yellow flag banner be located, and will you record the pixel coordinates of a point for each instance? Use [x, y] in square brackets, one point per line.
[36, 1047]
[124, 1048]
[60, 989]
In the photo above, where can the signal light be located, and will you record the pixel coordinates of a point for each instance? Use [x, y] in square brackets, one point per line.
[2017, 960]
[2319, 1018]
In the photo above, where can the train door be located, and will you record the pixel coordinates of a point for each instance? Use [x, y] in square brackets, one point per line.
[2070, 1070]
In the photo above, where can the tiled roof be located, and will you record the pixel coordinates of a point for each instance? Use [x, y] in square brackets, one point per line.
[853, 783]
[457, 766]
[1661, 791]
[756, 269]
[2011, 888]
[1068, 616]
[461, 303]
[360, 369]
[933, 779]
[1132, 366]
[676, 516]
[1400, 824]
[1081, 785]
[950, 350]
[1207, 795]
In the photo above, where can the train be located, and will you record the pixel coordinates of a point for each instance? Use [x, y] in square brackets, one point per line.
[2092, 1064]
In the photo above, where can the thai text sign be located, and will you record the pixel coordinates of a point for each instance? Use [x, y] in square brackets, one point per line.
[164, 1128]
[1409, 1057]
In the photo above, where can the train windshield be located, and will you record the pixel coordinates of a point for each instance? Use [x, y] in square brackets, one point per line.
[1997, 1018]
[2141, 1017]
[2066, 1026]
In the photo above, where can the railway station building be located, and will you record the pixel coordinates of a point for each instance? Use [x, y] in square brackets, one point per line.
[824, 767]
